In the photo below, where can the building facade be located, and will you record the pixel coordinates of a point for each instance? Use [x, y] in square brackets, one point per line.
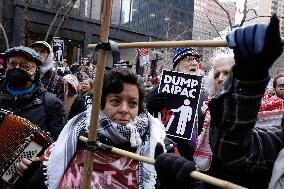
[256, 8]
[131, 20]
[259, 12]
[209, 22]
[210, 19]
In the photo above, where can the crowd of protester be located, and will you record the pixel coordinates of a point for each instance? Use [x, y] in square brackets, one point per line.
[238, 137]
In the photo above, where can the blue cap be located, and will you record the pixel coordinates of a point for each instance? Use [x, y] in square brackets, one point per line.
[181, 53]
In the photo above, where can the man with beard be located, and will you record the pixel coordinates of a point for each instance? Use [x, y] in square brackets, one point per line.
[185, 60]
[21, 93]
[53, 82]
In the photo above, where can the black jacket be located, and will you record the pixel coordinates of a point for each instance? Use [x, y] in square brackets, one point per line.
[41, 108]
[77, 107]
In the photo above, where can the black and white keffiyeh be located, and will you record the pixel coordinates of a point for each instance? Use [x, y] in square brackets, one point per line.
[119, 134]
[144, 125]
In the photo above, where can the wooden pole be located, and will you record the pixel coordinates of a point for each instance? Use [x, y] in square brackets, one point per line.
[104, 33]
[172, 44]
[195, 174]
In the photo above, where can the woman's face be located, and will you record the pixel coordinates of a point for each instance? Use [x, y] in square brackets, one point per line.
[86, 85]
[123, 107]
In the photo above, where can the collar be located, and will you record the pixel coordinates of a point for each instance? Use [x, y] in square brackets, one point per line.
[19, 93]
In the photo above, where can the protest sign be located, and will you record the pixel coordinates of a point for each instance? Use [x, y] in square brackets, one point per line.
[122, 64]
[58, 48]
[180, 113]
[85, 61]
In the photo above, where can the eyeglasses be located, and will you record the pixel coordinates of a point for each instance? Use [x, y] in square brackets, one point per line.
[23, 65]
[191, 58]
[281, 86]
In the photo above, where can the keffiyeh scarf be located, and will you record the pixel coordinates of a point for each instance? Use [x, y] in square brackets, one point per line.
[144, 133]
[271, 111]
[203, 154]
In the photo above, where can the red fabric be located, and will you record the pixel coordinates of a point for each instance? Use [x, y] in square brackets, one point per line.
[2, 62]
[110, 171]
[154, 80]
[271, 104]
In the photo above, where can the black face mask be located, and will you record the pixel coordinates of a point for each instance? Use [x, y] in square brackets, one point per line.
[17, 78]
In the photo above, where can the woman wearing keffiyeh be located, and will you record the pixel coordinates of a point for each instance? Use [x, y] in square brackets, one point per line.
[122, 123]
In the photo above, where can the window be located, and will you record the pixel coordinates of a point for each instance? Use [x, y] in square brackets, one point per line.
[96, 9]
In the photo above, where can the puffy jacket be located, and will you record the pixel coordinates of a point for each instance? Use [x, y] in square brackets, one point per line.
[41, 108]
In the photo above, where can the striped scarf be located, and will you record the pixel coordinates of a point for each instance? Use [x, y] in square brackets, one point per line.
[144, 133]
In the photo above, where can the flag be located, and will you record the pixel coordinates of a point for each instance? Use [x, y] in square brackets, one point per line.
[143, 55]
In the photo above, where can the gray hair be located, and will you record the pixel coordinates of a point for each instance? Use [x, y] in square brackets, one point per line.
[209, 77]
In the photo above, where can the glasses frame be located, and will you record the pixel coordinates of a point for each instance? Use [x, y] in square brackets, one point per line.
[26, 66]
[191, 58]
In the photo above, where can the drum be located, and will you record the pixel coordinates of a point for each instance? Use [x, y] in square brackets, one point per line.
[19, 139]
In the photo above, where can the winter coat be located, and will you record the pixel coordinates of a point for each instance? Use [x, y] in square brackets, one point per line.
[77, 107]
[40, 107]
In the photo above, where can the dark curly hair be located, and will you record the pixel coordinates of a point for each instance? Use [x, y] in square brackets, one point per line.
[113, 83]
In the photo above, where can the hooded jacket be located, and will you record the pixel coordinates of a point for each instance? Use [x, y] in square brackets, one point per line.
[49, 78]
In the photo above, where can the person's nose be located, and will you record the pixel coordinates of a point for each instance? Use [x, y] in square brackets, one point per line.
[222, 77]
[17, 65]
[193, 62]
[123, 108]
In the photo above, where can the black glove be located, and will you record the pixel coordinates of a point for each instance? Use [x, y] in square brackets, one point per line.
[156, 102]
[173, 171]
[158, 150]
[255, 47]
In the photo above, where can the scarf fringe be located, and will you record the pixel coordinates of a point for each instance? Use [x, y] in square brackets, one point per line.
[135, 139]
